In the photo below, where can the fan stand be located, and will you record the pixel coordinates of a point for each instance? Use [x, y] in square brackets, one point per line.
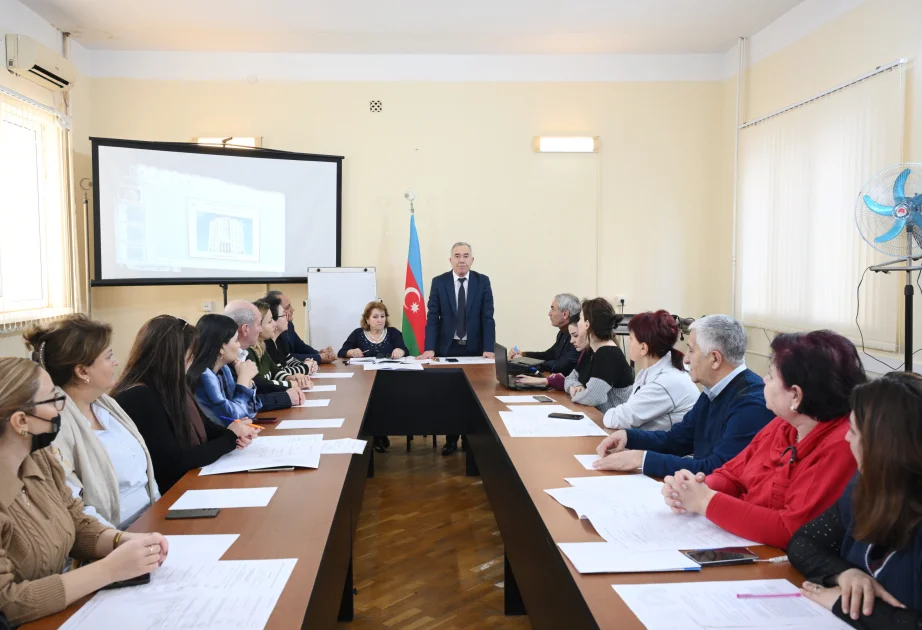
[906, 265]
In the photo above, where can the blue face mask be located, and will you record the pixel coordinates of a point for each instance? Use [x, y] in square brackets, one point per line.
[42, 440]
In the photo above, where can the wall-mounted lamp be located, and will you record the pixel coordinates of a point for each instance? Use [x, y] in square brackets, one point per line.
[587, 144]
[233, 142]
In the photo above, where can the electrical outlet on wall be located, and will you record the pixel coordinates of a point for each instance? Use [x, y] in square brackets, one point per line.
[620, 300]
[208, 307]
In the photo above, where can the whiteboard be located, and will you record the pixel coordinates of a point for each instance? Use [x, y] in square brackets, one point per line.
[336, 297]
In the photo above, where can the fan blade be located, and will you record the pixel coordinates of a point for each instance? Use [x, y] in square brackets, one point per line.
[893, 232]
[899, 186]
[877, 208]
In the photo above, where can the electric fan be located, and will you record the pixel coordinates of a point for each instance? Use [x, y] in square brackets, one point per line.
[888, 214]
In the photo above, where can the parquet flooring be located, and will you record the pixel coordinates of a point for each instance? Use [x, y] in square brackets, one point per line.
[428, 552]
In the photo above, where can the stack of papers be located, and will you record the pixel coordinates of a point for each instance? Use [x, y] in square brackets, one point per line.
[271, 452]
[595, 557]
[333, 375]
[466, 361]
[229, 498]
[206, 596]
[199, 549]
[706, 605]
[412, 364]
[629, 511]
[332, 423]
[344, 446]
[319, 388]
[533, 421]
[519, 399]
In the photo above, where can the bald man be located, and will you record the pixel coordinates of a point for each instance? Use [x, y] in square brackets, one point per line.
[272, 396]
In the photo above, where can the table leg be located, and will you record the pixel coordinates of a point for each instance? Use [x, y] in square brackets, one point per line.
[513, 598]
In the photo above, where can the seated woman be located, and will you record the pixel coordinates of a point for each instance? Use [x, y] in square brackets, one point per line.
[220, 396]
[556, 381]
[103, 454]
[278, 347]
[602, 379]
[374, 338]
[662, 392]
[42, 523]
[154, 392]
[799, 463]
[268, 368]
[863, 555]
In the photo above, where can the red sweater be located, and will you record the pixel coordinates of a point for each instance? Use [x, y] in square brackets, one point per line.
[763, 496]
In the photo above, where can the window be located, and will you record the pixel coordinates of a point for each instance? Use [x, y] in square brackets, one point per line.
[800, 255]
[36, 279]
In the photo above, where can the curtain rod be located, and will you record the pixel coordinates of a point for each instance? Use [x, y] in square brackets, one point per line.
[842, 86]
[33, 102]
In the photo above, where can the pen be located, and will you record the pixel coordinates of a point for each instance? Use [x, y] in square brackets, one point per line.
[777, 559]
[766, 595]
[226, 419]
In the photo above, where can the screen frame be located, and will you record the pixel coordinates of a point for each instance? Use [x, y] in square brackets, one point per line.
[191, 147]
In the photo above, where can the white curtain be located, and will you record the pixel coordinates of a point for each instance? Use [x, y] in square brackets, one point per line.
[800, 254]
[36, 211]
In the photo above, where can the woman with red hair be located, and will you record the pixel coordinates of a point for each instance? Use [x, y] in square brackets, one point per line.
[662, 392]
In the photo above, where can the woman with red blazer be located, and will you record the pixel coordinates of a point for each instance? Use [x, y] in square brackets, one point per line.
[800, 463]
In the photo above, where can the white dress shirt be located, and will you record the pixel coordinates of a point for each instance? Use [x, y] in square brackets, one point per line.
[130, 465]
[467, 295]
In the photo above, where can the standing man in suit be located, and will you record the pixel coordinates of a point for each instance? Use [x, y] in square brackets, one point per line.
[459, 322]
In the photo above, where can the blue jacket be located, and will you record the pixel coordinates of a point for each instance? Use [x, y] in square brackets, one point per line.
[219, 395]
[442, 310]
[713, 432]
[299, 349]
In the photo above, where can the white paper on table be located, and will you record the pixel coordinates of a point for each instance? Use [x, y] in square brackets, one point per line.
[343, 446]
[332, 423]
[224, 498]
[535, 425]
[374, 367]
[466, 361]
[227, 595]
[519, 399]
[596, 557]
[587, 460]
[333, 375]
[271, 451]
[199, 549]
[320, 388]
[318, 402]
[544, 410]
[706, 605]
[362, 360]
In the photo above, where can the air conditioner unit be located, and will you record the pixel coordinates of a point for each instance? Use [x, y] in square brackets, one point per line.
[32, 61]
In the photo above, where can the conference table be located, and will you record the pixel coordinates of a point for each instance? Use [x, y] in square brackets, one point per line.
[314, 513]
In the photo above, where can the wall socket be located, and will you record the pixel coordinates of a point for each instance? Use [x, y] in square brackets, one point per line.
[208, 307]
[620, 299]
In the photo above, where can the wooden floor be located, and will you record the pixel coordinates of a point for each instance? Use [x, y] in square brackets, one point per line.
[428, 552]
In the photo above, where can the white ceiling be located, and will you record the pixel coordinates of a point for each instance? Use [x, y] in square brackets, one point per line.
[413, 26]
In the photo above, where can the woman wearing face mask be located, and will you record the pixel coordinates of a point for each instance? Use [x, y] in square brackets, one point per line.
[374, 338]
[42, 524]
[863, 556]
[103, 454]
[268, 368]
[220, 396]
[154, 392]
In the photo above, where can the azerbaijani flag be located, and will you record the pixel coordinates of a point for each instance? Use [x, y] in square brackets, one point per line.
[414, 303]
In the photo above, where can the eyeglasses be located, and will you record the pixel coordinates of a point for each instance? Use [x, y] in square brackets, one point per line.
[58, 402]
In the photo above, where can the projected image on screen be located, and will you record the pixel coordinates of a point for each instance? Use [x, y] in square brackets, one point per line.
[175, 214]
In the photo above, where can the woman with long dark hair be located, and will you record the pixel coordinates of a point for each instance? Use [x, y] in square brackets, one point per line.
[154, 392]
[863, 556]
[220, 396]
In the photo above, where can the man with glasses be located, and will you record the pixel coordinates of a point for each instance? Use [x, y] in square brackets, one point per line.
[299, 349]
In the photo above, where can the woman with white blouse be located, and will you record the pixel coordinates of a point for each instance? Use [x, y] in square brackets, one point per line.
[103, 454]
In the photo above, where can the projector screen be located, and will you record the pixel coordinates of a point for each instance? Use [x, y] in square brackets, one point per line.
[190, 214]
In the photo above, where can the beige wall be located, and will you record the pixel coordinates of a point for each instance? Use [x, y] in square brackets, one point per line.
[873, 34]
[466, 150]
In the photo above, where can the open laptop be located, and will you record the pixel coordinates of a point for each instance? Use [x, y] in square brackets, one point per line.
[502, 371]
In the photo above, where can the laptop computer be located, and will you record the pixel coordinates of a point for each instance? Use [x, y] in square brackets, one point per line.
[502, 371]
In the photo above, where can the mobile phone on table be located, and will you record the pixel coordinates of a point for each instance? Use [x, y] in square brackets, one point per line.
[566, 416]
[137, 581]
[543, 399]
[258, 420]
[721, 557]
[200, 513]
[452, 360]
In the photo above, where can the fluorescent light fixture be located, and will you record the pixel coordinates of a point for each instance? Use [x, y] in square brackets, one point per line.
[232, 141]
[587, 144]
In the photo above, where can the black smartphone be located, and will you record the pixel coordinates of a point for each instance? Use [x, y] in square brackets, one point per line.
[721, 557]
[201, 513]
[566, 416]
[138, 581]
[543, 399]
[452, 360]
[258, 420]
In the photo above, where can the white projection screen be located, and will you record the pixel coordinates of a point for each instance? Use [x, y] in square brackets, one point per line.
[188, 214]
